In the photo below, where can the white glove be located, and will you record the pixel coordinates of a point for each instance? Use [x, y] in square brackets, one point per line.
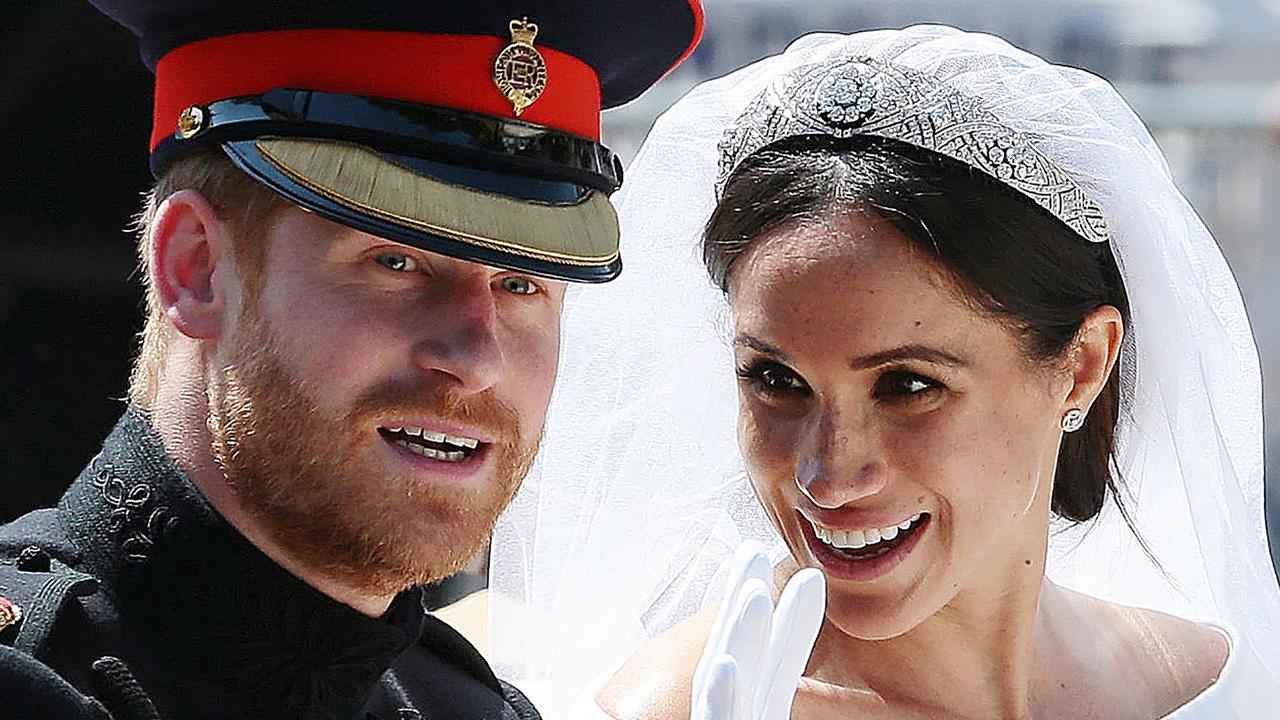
[755, 654]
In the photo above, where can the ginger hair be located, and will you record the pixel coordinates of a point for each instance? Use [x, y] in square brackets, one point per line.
[239, 200]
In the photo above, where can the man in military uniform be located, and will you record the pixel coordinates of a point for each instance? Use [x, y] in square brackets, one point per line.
[355, 258]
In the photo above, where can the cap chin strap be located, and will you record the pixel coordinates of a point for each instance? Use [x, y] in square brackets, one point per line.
[438, 133]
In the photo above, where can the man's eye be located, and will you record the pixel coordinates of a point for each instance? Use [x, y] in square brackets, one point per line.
[517, 285]
[399, 262]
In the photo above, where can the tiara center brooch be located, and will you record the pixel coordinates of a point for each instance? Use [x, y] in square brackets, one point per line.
[519, 70]
[846, 99]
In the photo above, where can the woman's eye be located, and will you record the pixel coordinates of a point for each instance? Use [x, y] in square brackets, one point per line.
[905, 385]
[772, 378]
[518, 285]
[398, 262]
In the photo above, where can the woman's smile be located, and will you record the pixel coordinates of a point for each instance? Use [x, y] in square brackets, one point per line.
[863, 554]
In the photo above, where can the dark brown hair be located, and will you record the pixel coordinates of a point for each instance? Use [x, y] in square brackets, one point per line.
[1010, 257]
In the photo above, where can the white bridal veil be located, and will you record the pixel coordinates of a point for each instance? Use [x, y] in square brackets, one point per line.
[639, 495]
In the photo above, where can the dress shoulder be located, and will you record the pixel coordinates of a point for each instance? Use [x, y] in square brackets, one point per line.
[656, 683]
[1244, 689]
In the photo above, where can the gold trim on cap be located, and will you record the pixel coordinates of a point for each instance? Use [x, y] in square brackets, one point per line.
[584, 233]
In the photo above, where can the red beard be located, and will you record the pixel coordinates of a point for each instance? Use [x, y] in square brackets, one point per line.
[311, 478]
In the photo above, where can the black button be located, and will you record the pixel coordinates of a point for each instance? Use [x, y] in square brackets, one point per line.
[33, 559]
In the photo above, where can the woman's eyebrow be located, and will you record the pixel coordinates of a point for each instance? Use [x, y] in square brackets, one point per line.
[906, 352]
[863, 362]
[759, 346]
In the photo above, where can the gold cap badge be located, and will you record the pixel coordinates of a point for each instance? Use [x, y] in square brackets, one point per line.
[191, 122]
[519, 71]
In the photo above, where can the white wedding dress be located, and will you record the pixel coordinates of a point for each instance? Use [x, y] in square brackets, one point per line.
[1244, 690]
[639, 496]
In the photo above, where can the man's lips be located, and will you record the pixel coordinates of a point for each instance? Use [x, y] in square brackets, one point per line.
[437, 463]
[436, 441]
[420, 425]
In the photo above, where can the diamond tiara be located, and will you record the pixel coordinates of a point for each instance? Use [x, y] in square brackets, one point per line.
[865, 96]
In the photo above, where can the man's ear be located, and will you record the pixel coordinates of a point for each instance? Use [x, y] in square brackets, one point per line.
[1092, 355]
[190, 262]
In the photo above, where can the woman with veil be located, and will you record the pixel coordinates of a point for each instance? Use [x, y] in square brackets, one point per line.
[990, 375]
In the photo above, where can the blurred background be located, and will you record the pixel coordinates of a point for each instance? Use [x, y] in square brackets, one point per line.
[75, 108]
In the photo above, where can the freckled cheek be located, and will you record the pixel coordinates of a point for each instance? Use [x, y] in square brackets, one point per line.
[975, 480]
[768, 447]
[1003, 457]
[941, 460]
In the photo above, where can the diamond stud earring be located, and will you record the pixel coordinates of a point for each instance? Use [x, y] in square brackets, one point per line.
[1072, 420]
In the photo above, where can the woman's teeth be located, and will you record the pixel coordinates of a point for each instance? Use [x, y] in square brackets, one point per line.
[857, 539]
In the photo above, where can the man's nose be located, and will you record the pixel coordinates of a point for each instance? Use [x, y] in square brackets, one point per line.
[839, 462]
[459, 336]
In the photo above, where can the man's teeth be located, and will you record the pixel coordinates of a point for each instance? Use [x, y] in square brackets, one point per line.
[425, 451]
[855, 539]
[439, 437]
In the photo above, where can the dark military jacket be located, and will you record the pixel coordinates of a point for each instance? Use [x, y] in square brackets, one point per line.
[139, 601]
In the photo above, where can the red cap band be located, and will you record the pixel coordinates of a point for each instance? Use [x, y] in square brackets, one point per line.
[444, 70]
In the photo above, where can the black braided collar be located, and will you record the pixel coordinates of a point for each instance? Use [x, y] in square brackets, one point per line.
[211, 598]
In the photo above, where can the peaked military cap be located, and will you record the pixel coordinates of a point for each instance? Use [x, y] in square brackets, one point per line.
[463, 127]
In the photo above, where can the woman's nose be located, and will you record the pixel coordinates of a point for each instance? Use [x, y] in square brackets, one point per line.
[839, 465]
